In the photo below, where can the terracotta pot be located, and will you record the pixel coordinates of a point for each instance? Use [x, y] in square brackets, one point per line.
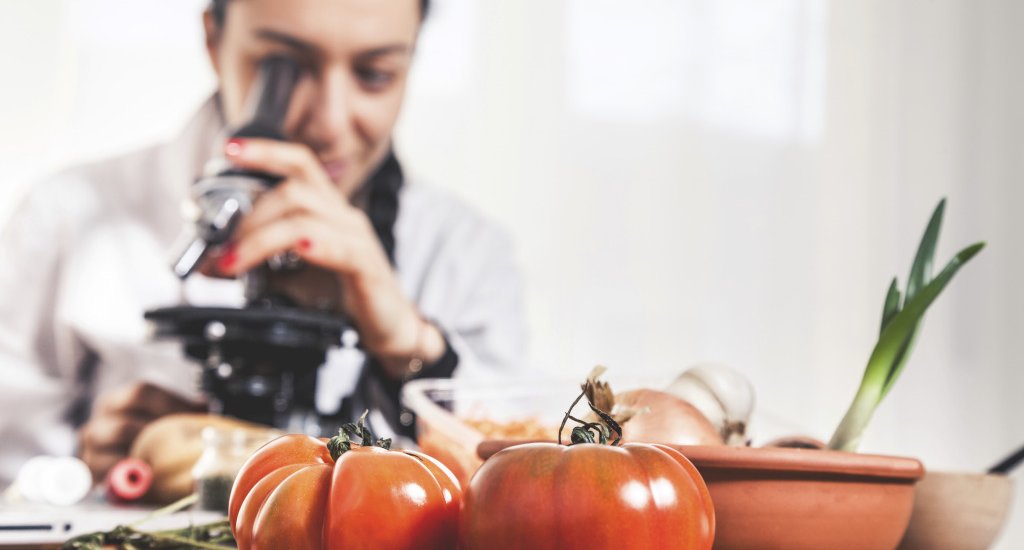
[797, 499]
[958, 511]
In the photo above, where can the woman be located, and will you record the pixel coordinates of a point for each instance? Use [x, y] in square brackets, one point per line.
[424, 278]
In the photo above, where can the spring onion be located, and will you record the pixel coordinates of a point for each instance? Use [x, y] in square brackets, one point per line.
[901, 319]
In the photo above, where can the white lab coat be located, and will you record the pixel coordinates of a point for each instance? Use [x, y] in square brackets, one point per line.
[88, 252]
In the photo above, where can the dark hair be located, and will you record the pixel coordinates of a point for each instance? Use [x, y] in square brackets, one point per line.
[219, 9]
[385, 183]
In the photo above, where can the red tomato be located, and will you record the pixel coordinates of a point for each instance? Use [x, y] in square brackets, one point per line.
[292, 494]
[587, 496]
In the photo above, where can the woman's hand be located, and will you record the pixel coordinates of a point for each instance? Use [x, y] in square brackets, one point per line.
[307, 214]
[118, 417]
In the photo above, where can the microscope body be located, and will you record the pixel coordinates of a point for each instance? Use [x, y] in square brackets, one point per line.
[259, 362]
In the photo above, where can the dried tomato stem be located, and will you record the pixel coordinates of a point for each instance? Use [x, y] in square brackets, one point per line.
[342, 443]
[585, 432]
[578, 420]
[568, 415]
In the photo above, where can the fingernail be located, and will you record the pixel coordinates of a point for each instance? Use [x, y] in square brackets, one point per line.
[228, 259]
[234, 147]
[305, 244]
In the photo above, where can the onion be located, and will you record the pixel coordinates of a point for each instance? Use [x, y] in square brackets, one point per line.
[661, 417]
[129, 480]
[648, 416]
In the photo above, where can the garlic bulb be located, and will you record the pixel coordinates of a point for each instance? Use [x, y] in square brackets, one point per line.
[59, 481]
[722, 394]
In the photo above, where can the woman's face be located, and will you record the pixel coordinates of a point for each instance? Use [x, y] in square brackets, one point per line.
[357, 55]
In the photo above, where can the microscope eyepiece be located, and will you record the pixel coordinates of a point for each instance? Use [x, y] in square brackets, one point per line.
[226, 196]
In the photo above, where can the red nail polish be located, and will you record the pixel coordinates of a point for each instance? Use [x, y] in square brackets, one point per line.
[228, 259]
[305, 244]
[234, 147]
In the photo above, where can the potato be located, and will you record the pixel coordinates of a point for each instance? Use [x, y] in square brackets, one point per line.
[171, 445]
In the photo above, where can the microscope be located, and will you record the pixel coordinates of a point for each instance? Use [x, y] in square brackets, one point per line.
[260, 361]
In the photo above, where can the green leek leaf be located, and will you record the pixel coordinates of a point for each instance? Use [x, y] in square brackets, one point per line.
[890, 351]
[921, 270]
[920, 275]
[892, 304]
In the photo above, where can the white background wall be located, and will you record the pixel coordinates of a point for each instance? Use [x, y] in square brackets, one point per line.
[686, 179]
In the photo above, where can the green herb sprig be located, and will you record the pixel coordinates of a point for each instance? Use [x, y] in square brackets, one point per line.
[212, 536]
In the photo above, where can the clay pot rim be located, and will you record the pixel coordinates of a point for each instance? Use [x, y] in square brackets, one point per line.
[774, 459]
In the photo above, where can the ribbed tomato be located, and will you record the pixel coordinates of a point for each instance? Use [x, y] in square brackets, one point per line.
[587, 496]
[294, 494]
